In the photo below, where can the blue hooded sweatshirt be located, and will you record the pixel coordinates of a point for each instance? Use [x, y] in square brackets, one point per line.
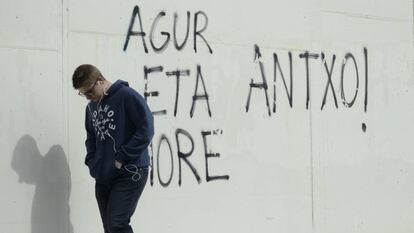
[119, 127]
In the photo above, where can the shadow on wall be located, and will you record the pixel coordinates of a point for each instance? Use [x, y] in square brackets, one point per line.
[51, 176]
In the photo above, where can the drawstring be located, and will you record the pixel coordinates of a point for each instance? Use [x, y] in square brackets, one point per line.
[135, 171]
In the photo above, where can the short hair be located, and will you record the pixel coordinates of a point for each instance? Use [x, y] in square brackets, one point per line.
[85, 74]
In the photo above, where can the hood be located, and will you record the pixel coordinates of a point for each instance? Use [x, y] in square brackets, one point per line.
[116, 86]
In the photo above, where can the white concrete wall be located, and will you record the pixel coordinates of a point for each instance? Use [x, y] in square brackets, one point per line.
[298, 169]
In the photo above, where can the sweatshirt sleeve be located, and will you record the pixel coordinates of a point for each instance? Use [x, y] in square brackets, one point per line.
[90, 141]
[142, 118]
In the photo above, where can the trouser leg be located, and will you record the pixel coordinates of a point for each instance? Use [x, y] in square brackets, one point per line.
[102, 193]
[123, 199]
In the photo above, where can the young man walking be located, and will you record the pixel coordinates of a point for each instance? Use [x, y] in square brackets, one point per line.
[119, 127]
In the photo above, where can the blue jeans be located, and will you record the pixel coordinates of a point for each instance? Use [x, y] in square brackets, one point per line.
[117, 201]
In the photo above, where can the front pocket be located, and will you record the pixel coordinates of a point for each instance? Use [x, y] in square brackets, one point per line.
[94, 167]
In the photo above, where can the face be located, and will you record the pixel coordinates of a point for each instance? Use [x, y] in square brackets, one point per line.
[91, 92]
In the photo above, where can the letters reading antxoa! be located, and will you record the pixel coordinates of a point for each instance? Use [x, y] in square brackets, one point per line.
[329, 74]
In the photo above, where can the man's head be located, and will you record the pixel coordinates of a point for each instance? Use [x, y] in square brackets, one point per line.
[87, 79]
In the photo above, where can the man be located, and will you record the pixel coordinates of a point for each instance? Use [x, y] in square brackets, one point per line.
[119, 128]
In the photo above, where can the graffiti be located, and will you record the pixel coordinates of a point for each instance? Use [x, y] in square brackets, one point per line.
[198, 30]
[178, 74]
[183, 158]
[329, 87]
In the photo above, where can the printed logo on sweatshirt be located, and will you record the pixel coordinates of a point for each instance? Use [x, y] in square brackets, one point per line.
[103, 122]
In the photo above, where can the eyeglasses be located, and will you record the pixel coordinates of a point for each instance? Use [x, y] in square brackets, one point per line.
[88, 93]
